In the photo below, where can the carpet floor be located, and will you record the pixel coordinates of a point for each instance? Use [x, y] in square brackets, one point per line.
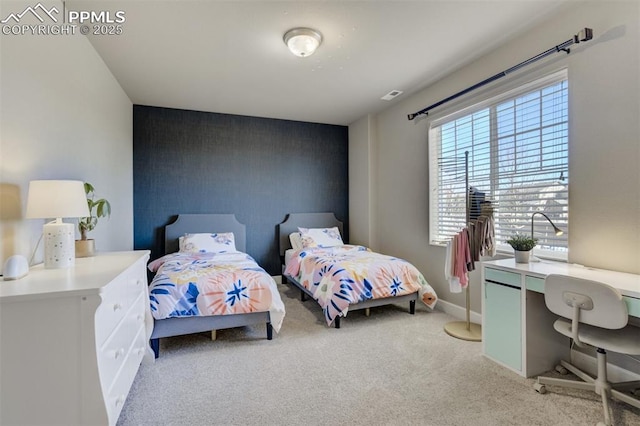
[390, 368]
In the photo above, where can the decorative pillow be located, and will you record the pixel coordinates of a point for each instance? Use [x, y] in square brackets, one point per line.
[208, 243]
[296, 241]
[320, 237]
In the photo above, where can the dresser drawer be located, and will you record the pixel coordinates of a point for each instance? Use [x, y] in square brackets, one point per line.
[116, 394]
[135, 282]
[113, 353]
[117, 299]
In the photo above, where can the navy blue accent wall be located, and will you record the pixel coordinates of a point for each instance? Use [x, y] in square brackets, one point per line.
[257, 168]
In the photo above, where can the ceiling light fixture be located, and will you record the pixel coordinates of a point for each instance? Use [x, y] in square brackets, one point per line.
[302, 42]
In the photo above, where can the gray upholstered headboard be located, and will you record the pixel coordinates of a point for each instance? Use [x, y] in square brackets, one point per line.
[304, 220]
[201, 223]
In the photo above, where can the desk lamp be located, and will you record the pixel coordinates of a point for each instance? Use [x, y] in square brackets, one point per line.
[557, 230]
[57, 199]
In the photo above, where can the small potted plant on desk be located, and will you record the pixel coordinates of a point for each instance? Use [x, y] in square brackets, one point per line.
[522, 245]
[86, 247]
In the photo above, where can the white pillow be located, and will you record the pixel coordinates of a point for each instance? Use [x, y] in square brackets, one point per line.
[296, 241]
[320, 237]
[220, 242]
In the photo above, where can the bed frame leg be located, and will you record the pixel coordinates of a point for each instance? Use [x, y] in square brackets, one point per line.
[269, 331]
[303, 296]
[412, 307]
[155, 346]
[337, 322]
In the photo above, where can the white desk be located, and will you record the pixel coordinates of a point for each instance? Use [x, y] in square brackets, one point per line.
[517, 328]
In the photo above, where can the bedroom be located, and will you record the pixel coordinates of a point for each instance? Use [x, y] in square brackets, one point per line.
[64, 114]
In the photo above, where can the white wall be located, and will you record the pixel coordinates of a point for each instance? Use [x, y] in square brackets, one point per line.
[63, 116]
[604, 145]
[360, 181]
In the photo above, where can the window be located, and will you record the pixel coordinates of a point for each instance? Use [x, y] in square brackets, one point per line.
[517, 145]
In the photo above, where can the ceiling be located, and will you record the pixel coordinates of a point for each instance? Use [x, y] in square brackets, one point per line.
[229, 57]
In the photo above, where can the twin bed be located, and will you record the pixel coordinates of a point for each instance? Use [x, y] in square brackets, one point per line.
[209, 283]
[343, 277]
[206, 281]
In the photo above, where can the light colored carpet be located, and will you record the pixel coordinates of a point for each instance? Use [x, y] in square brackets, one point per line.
[391, 368]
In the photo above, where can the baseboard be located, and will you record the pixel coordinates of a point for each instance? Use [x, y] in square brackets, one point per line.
[277, 278]
[458, 311]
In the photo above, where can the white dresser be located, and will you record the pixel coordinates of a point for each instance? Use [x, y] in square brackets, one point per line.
[72, 340]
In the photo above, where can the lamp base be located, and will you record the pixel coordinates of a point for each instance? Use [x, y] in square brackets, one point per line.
[59, 247]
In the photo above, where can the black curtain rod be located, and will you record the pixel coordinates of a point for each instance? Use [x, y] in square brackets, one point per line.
[585, 34]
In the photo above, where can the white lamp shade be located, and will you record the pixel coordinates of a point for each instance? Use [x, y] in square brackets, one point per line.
[302, 41]
[56, 199]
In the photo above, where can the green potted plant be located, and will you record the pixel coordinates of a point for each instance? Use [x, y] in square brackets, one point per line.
[522, 245]
[86, 247]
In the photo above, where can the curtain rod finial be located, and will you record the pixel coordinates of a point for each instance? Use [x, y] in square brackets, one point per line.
[585, 34]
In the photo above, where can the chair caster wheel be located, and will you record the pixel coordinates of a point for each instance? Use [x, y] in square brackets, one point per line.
[560, 369]
[540, 388]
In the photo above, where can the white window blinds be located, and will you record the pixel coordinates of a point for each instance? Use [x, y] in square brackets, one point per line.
[517, 146]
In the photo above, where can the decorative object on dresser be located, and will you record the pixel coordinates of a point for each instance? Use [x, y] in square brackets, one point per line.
[57, 199]
[86, 247]
[15, 267]
[522, 246]
[73, 340]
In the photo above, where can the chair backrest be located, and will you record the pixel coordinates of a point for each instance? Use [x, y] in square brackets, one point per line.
[600, 304]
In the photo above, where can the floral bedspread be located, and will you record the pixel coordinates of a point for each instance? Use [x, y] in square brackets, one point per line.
[192, 284]
[343, 275]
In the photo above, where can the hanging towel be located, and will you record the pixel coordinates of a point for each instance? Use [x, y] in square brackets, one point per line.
[462, 258]
[454, 282]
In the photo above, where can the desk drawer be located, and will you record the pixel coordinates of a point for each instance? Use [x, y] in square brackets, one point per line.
[633, 305]
[534, 284]
[502, 277]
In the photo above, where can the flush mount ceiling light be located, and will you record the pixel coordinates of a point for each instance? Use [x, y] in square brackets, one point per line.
[302, 41]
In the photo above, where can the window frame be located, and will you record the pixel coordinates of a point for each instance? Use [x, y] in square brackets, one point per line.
[491, 99]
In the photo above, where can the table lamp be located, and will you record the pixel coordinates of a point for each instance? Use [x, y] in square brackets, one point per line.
[57, 199]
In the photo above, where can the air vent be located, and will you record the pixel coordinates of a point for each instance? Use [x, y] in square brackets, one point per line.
[392, 94]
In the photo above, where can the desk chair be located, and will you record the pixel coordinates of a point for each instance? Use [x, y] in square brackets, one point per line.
[598, 317]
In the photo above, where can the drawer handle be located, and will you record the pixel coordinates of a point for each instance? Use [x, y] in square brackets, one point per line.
[140, 351]
[117, 354]
[116, 307]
